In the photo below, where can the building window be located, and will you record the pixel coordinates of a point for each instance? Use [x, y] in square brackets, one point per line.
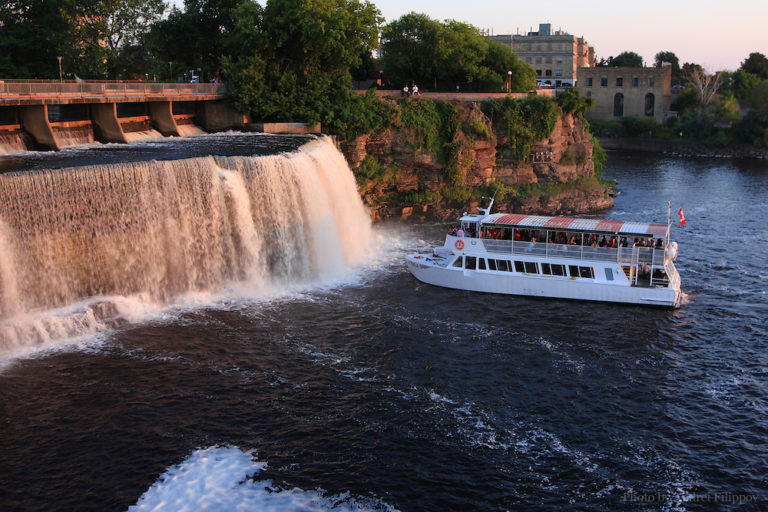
[589, 82]
[548, 72]
[603, 82]
[650, 101]
[558, 72]
[538, 72]
[528, 60]
[538, 60]
[619, 82]
[635, 82]
[548, 60]
[559, 59]
[650, 82]
[618, 105]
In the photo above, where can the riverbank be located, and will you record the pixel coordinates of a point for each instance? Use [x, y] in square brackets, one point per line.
[682, 148]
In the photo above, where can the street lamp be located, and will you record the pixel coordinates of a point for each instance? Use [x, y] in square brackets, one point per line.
[509, 82]
[170, 71]
[61, 79]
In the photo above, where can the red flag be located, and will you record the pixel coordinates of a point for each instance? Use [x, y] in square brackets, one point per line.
[682, 217]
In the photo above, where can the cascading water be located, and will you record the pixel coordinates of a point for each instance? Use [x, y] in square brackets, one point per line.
[162, 229]
[12, 142]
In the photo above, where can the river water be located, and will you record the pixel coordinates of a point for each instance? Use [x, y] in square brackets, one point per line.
[371, 391]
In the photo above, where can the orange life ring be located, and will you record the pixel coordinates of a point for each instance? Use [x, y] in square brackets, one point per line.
[459, 244]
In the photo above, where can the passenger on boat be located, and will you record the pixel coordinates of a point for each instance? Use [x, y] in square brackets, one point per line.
[452, 231]
[460, 232]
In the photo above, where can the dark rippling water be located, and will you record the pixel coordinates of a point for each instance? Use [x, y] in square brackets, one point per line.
[386, 392]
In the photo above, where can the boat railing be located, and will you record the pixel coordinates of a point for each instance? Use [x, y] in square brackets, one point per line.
[628, 255]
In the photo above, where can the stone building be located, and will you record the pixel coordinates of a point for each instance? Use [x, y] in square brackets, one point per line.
[556, 56]
[621, 92]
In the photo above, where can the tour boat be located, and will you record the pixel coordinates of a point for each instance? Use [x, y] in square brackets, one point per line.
[557, 257]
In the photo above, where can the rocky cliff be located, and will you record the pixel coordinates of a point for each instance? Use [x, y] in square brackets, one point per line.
[399, 176]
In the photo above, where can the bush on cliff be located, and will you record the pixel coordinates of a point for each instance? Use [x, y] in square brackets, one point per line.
[520, 123]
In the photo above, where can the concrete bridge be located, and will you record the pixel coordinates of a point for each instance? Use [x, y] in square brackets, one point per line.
[43, 112]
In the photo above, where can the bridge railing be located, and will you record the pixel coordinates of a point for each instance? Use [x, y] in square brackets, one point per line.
[70, 88]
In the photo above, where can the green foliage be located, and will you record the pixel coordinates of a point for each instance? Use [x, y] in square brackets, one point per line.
[423, 119]
[439, 55]
[599, 157]
[687, 101]
[756, 64]
[369, 169]
[476, 129]
[361, 114]
[522, 122]
[31, 38]
[667, 56]
[202, 34]
[571, 102]
[624, 59]
[95, 38]
[297, 67]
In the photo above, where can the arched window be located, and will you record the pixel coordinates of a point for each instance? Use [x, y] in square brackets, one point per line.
[650, 101]
[618, 105]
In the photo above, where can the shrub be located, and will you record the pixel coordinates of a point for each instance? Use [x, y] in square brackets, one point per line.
[523, 122]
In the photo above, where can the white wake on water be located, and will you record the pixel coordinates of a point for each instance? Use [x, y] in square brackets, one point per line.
[220, 479]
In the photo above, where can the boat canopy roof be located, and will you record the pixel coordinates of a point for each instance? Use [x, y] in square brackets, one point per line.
[614, 227]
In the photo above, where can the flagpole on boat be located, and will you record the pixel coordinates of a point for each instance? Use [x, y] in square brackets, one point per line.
[669, 223]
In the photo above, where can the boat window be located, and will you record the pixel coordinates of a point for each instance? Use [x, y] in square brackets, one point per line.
[574, 270]
[558, 270]
[545, 269]
[519, 267]
[491, 264]
[586, 272]
[459, 262]
[481, 264]
[471, 263]
[609, 274]
[504, 265]
[531, 268]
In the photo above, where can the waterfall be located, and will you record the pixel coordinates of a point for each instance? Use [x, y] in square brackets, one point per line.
[77, 135]
[12, 142]
[142, 135]
[163, 229]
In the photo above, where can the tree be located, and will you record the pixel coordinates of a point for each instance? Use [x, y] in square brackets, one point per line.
[100, 30]
[32, 35]
[756, 64]
[627, 60]
[298, 67]
[667, 56]
[199, 36]
[705, 87]
[443, 55]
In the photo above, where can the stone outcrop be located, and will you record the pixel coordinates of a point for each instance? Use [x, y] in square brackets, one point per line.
[410, 179]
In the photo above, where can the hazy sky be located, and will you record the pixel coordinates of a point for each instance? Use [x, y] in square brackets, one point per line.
[714, 33]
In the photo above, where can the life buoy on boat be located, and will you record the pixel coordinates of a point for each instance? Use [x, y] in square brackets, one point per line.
[460, 244]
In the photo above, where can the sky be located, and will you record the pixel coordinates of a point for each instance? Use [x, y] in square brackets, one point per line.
[716, 34]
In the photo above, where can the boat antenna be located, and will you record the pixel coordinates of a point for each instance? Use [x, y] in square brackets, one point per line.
[669, 222]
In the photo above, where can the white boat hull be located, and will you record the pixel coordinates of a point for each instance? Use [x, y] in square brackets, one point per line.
[560, 287]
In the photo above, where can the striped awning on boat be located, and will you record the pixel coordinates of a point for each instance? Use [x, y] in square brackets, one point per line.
[575, 224]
